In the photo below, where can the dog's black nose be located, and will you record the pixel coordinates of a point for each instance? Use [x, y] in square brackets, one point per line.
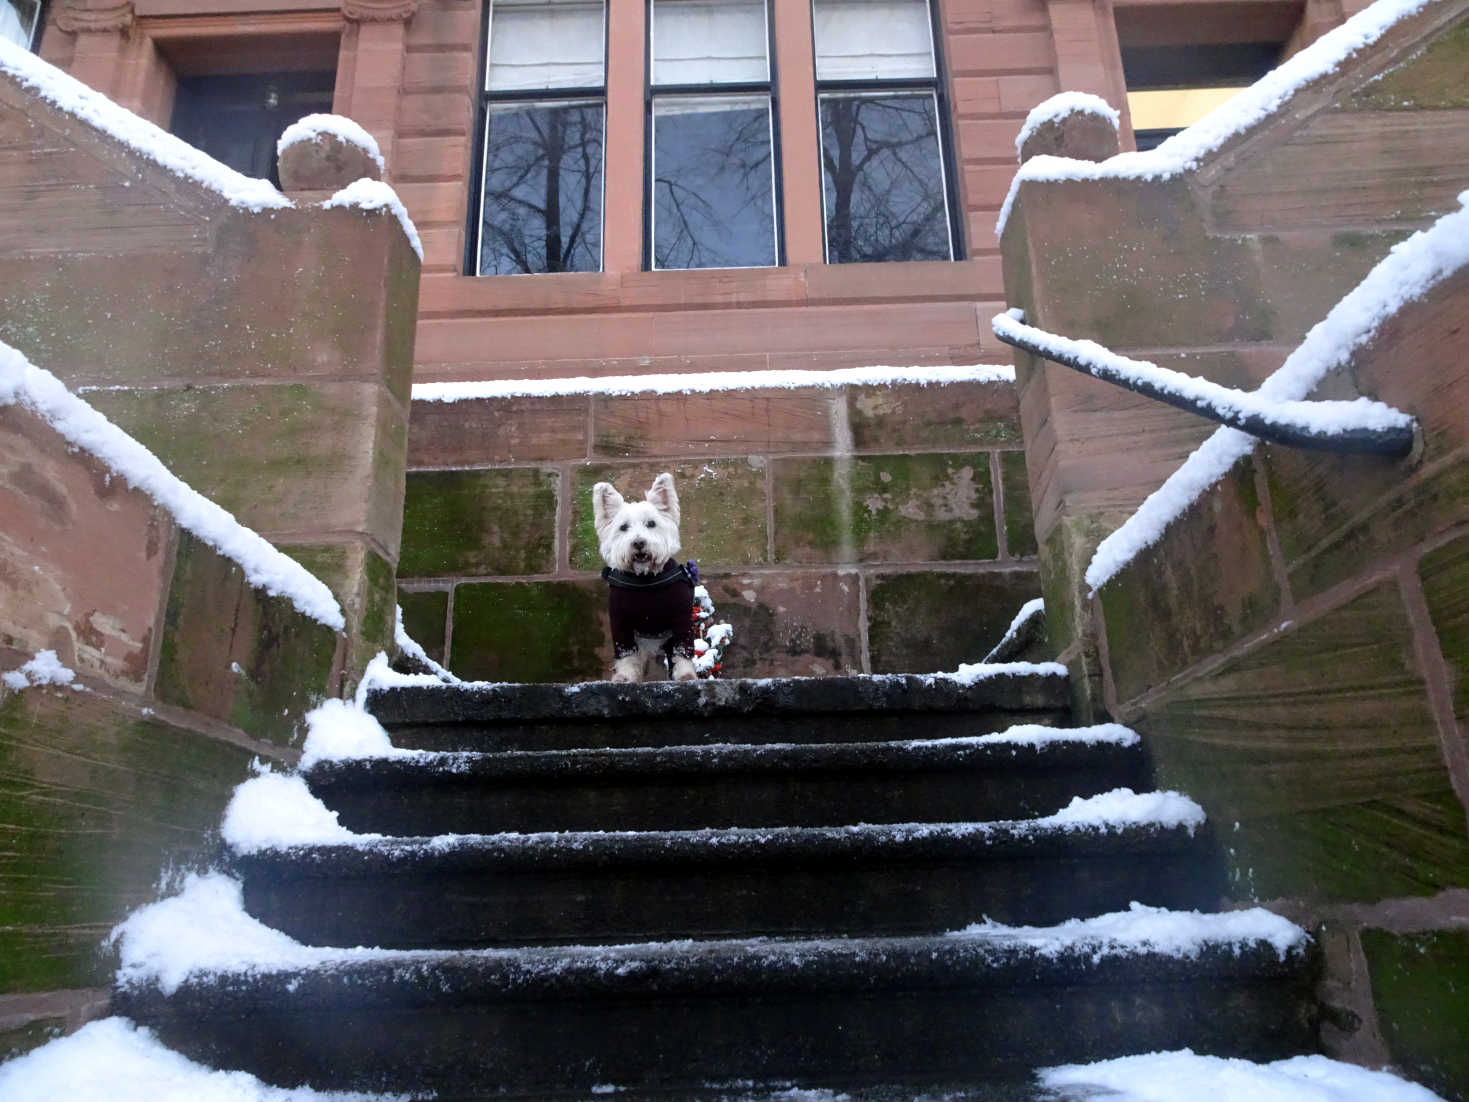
[638, 545]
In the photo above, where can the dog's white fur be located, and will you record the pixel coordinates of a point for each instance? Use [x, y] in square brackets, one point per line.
[639, 537]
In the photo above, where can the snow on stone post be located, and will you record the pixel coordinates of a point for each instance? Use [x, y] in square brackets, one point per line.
[326, 153]
[1077, 125]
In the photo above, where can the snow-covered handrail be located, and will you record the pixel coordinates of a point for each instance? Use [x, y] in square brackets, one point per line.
[1356, 427]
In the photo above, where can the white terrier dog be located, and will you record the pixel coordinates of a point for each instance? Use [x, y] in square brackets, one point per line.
[650, 596]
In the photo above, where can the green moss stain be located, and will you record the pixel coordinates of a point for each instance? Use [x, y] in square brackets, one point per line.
[424, 615]
[888, 508]
[1433, 78]
[1019, 520]
[476, 523]
[1420, 987]
[95, 803]
[531, 631]
[722, 502]
[927, 621]
[1445, 576]
[232, 652]
[957, 415]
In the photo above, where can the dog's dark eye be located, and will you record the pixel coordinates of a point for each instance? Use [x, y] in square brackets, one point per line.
[624, 527]
[652, 524]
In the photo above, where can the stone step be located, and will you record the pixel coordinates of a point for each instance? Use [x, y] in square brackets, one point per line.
[665, 1016]
[689, 787]
[501, 890]
[879, 708]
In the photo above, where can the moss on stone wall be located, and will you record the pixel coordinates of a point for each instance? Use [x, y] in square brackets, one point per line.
[95, 801]
[531, 631]
[235, 654]
[927, 621]
[1019, 520]
[1445, 575]
[479, 523]
[1420, 987]
[425, 614]
[1433, 78]
[884, 508]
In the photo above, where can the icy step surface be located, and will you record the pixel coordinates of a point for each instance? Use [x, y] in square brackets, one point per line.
[986, 1002]
[1024, 772]
[470, 891]
[826, 709]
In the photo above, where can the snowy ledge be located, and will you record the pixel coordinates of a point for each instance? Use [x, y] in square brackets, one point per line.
[1410, 270]
[1184, 151]
[698, 383]
[1361, 424]
[1058, 107]
[70, 95]
[371, 195]
[265, 566]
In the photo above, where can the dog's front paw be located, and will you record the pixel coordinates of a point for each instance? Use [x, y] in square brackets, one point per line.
[683, 669]
[629, 669]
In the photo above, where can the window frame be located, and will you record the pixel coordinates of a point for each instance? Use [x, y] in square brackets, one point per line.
[768, 88]
[486, 99]
[938, 86]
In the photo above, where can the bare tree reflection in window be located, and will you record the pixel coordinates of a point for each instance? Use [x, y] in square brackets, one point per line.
[543, 189]
[883, 179]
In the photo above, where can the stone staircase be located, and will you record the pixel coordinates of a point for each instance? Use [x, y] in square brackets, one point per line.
[721, 889]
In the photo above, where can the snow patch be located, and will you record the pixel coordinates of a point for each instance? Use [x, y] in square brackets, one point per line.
[113, 1060]
[1186, 149]
[1058, 107]
[1143, 929]
[970, 673]
[711, 381]
[44, 669]
[1408, 272]
[276, 811]
[1036, 606]
[1122, 807]
[311, 127]
[368, 195]
[409, 646]
[381, 675]
[70, 95]
[1175, 1076]
[265, 567]
[337, 730]
[1033, 734]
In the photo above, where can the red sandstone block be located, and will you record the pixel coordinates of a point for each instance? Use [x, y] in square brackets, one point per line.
[483, 432]
[730, 423]
[441, 201]
[440, 70]
[1006, 52]
[426, 113]
[1021, 93]
[988, 140]
[432, 159]
[444, 23]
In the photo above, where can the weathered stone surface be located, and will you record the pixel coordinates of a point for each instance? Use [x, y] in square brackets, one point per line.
[925, 621]
[1306, 273]
[425, 615]
[722, 502]
[1445, 576]
[484, 431]
[1019, 520]
[233, 653]
[1321, 746]
[364, 585]
[531, 631]
[1420, 988]
[1431, 79]
[94, 803]
[789, 623]
[1335, 514]
[958, 415]
[296, 458]
[887, 508]
[1079, 135]
[325, 163]
[82, 556]
[719, 423]
[472, 523]
[1205, 584]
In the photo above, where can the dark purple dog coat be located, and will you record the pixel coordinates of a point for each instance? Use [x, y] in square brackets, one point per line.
[651, 605]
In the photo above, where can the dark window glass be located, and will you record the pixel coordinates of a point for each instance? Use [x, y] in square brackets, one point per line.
[239, 119]
[883, 178]
[18, 19]
[713, 185]
[543, 189]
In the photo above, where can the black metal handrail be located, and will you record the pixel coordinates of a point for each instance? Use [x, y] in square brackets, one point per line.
[1392, 440]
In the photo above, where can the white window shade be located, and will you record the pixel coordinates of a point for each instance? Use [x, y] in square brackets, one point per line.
[17, 20]
[709, 42]
[873, 39]
[545, 44]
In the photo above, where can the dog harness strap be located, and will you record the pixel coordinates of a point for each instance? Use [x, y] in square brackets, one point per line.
[671, 572]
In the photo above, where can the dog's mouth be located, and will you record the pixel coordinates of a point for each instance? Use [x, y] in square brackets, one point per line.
[642, 558]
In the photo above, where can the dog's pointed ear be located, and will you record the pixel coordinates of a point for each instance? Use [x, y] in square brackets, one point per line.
[605, 503]
[664, 497]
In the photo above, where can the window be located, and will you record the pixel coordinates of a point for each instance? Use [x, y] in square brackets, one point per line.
[711, 128]
[20, 21]
[544, 117]
[880, 110]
